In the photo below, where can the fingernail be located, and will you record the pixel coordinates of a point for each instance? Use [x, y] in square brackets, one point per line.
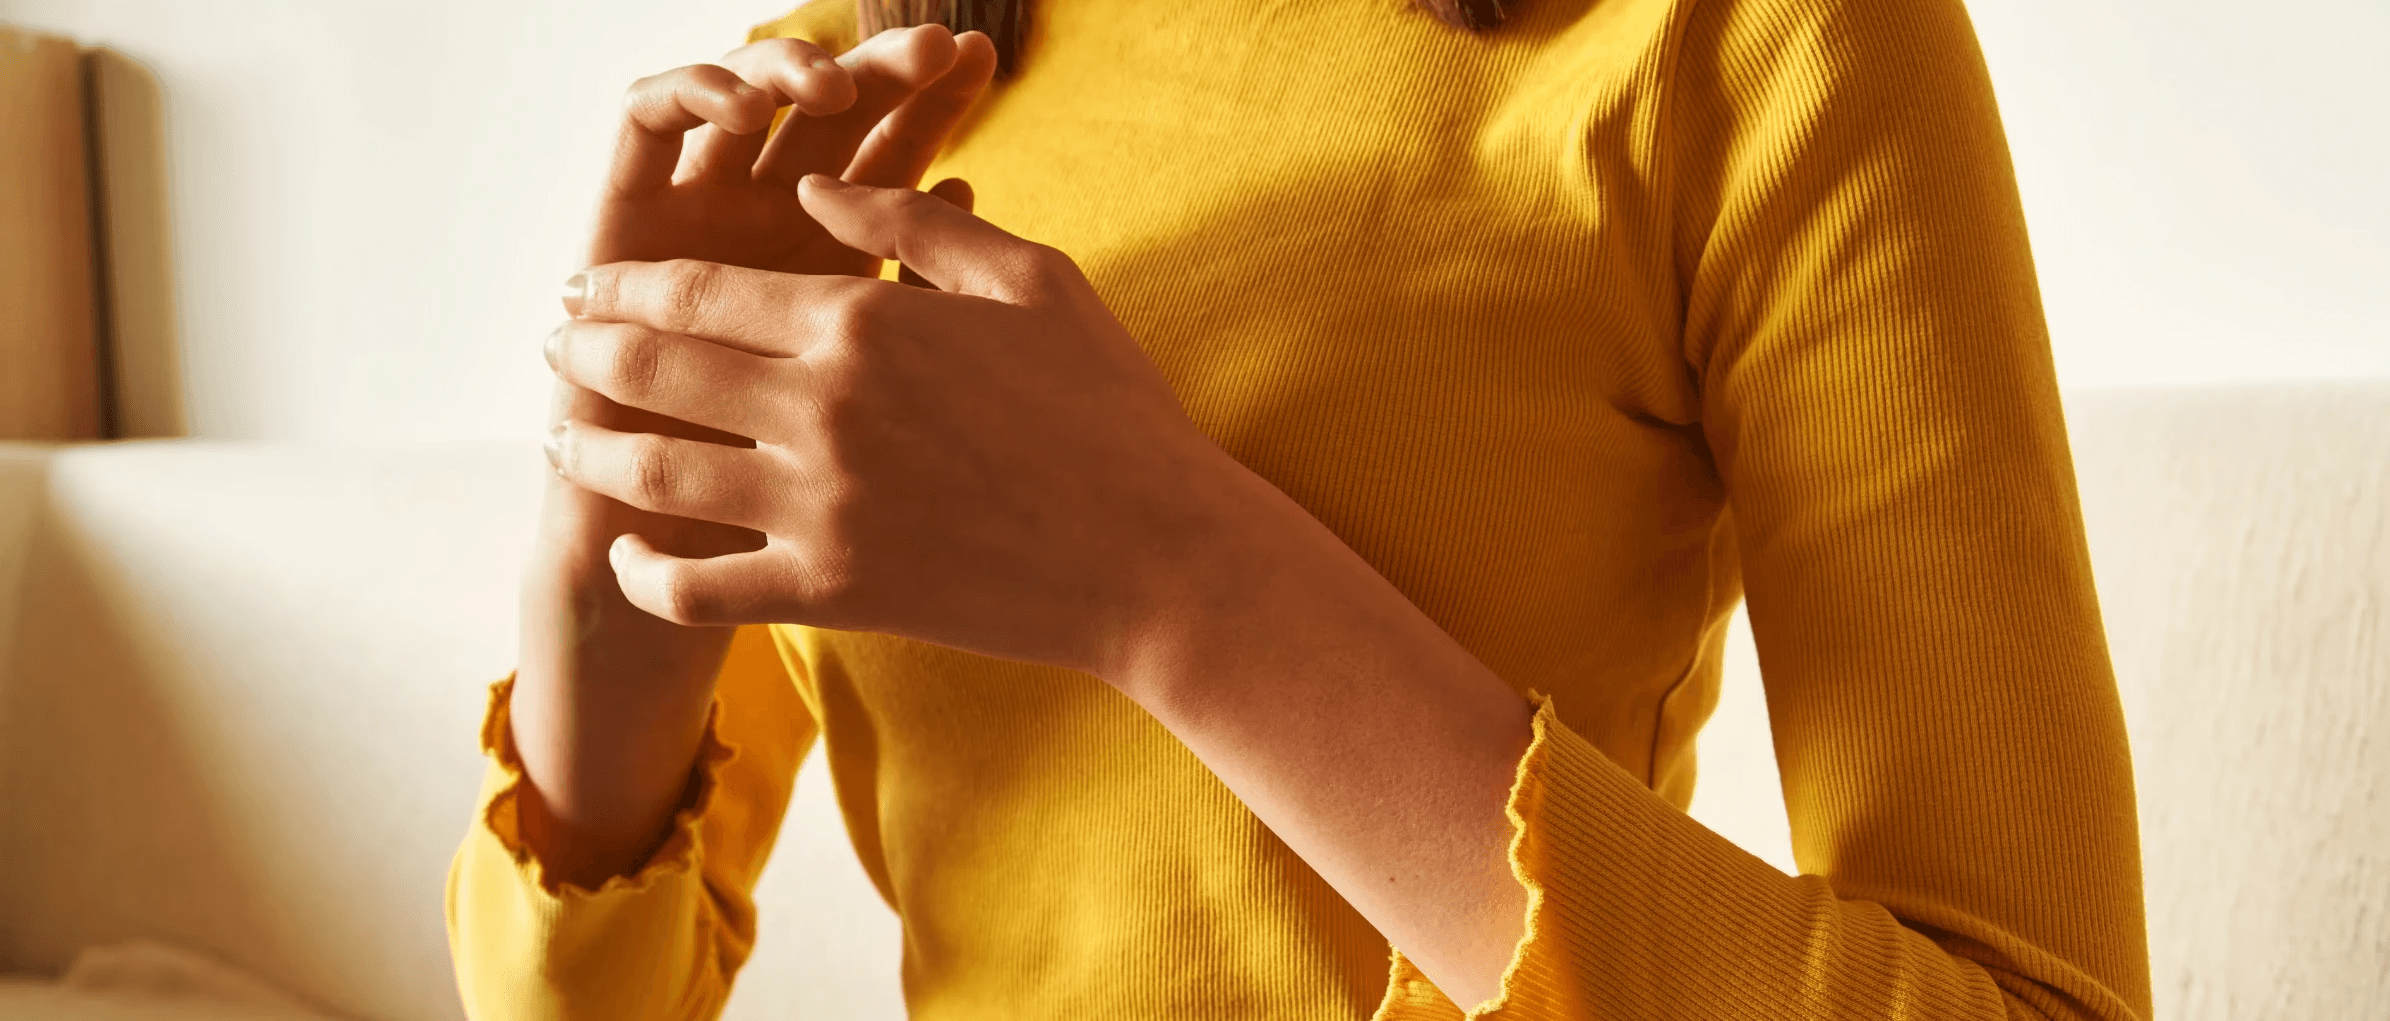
[742, 88]
[576, 290]
[824, 64]
[619, 551]
[554, 448]
[827, 182]
[553, 344]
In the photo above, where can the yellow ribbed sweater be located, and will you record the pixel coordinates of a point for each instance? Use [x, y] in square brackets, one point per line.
[1580, 331]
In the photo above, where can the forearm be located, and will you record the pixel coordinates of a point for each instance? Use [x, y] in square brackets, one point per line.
[1377, 747]
[667, 944]
[609, 710]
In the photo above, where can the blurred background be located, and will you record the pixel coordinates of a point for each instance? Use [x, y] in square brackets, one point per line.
[371, 200]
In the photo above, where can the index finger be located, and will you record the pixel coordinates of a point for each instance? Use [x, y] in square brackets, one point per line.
[757, 311]
[887, 69]
[798, 73]
[660, 108]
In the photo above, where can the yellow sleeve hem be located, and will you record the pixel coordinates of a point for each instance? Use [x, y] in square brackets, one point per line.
[1410, 994]
[501, 816]
[1527, 792]
[1636, 910]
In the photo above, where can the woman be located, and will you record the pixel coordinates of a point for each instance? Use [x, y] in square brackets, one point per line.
[1290, 587]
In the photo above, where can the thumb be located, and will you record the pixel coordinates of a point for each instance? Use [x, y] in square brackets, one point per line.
[947, 246]
[954, 190]
[735, 589]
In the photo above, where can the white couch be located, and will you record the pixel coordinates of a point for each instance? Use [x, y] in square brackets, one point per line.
[239, 683]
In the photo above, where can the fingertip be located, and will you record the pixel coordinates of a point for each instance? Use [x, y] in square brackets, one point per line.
[956, 191]
[632, 559]
[931, 49]
[575, 293]
[831, 88]
[975, 41]
[826, 183]
[751, 109]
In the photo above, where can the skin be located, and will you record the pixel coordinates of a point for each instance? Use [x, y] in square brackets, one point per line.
[609, 702]
[988, 462]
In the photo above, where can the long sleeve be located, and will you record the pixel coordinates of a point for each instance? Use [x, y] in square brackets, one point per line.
[665, 941]
[1878, 395]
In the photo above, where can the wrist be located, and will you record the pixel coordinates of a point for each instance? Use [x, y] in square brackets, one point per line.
[590, 821]
[607, 759]
[1274, 613]
[1253, 568]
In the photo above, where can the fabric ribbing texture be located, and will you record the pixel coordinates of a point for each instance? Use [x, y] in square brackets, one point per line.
[1580, 331]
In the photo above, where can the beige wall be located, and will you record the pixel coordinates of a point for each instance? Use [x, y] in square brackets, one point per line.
[372, 199]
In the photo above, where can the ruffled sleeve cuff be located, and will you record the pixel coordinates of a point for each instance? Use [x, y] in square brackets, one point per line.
[1410, 994]
[501, 815]
[1636, 910]
[1581, 829]
[528, 945]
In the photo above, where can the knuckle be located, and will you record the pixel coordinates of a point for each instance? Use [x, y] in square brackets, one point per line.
[840, 411]
[688, 288]
[799, 409]
[1047, 264]
[784, 50]
[634, 367]
[908, 203]
[683, 595]
[850, 313]
[643, 94]
[829, 407]
[635, 96]
[649, 474]
[818, 411]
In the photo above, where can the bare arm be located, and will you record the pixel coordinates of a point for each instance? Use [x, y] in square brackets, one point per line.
[1352, 725]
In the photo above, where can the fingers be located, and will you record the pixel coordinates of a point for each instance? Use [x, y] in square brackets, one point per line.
[741, 588]
[798, 74]
[956, 192]
[946, 245]
[760, 312]
[664, 474]
[899, 150]
[676, 376]
[888, 68]
[659, 109]
[884, 108]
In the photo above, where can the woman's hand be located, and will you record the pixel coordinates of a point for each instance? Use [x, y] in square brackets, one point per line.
[878, 113]
[994, 465]
[609, 702]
